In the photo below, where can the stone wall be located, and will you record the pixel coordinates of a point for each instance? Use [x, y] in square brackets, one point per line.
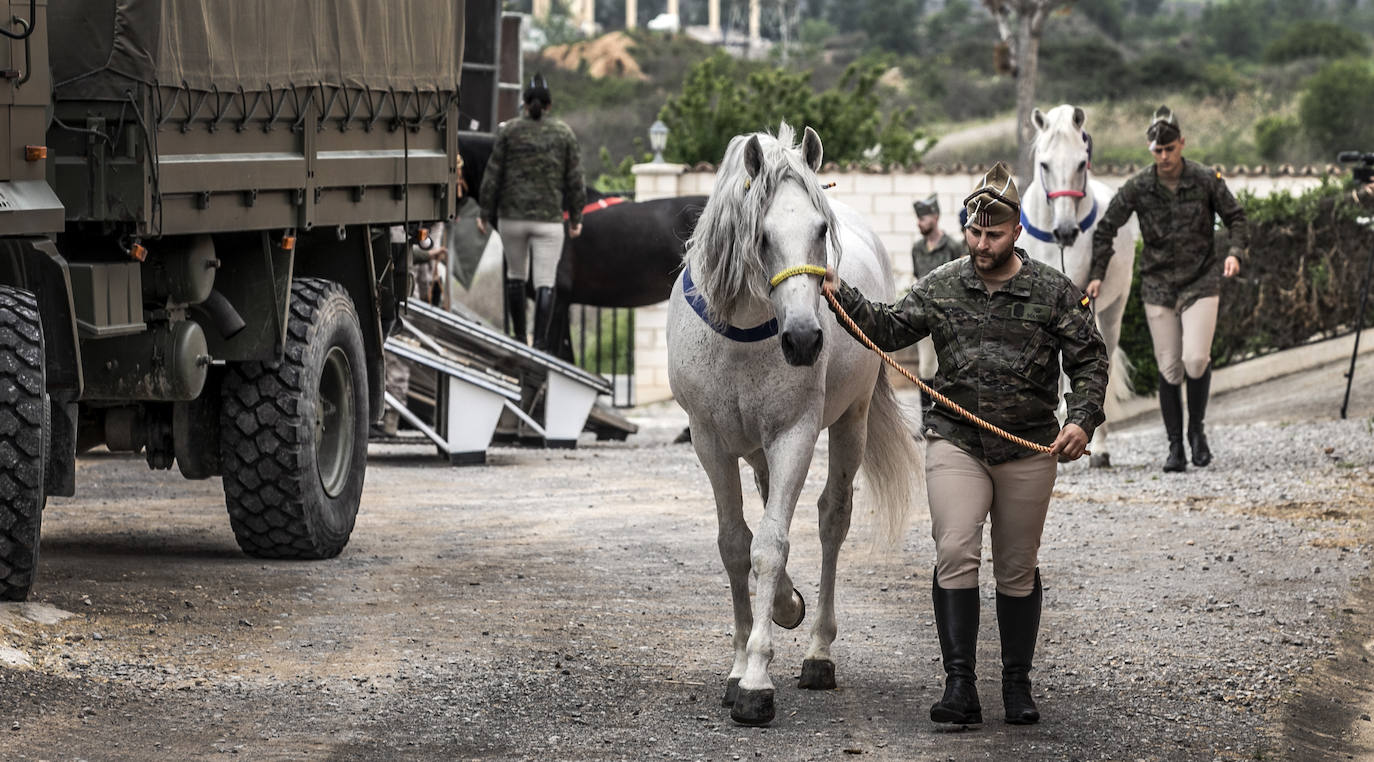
[885, 199]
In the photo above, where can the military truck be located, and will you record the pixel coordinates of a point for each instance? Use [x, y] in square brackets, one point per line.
[195, 259]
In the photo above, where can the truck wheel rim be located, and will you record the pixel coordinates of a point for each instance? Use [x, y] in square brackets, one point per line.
[334, 422]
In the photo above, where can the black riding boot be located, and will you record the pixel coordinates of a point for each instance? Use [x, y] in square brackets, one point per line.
[956, 620]
[515, 308]
[1198, 389]
[1171, 407]
[543, 317]
[1018, 621]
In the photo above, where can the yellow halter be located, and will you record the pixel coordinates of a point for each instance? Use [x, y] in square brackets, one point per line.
[798, 270]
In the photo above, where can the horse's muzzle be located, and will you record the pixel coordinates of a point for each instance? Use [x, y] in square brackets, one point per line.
[1066, 234]
[802, 346]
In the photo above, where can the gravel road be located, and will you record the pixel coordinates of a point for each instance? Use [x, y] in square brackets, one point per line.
[571, 605]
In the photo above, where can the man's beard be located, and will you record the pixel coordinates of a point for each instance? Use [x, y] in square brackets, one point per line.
[997, 260]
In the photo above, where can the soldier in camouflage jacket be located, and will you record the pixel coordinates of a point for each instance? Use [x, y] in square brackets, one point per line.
[1000, 322]
[1177, 202]
[533, 176]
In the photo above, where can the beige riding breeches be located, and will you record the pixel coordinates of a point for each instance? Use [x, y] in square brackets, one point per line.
[523, 239]
[1183, 340]
[964, 491]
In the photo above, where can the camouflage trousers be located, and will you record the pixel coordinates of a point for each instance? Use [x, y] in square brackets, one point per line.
[964, 493]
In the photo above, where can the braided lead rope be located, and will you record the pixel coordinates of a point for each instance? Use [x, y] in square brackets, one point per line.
[938, 397]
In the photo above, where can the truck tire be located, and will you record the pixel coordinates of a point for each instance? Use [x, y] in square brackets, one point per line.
[23, 440]
[293, 433]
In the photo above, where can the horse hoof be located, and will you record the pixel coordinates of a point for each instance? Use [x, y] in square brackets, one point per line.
[1100, 460]
[801, 616]
[817, 675]
[753, 707]
[731, 692]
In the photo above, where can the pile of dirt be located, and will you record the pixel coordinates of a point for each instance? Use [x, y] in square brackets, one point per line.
[606, 56]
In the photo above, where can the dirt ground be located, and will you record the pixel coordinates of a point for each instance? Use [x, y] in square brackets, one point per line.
[571, 605]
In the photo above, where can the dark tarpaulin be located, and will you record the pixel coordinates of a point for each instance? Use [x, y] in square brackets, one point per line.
[99, 48]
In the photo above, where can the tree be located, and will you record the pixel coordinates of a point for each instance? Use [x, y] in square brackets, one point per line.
[1023, 43]
[717, 103]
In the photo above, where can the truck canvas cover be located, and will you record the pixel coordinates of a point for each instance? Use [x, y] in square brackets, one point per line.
[111, 46]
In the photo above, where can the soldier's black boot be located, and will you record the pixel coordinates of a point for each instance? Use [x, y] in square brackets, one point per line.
[1198, 389]
[543, 317]
[956, 620]
[1171, 407]
[1018, 621]
[515, 307]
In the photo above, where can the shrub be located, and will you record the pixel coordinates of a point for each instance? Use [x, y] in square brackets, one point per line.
[1273, 136]
[1336, 109]
[1316, 39]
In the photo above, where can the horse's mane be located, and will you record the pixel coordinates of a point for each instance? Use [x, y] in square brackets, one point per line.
[1058, 127]
[724, 250]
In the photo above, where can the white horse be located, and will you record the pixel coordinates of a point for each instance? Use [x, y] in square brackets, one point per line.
[764, 399]
[1059, 211]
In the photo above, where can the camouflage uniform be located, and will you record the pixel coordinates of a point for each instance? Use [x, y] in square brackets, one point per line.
[999, 353]
[1179, 263]
[535, 172]
[924, 259]
[999, 343]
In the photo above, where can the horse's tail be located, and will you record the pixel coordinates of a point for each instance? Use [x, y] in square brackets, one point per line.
[1119, 386]
[893, 465]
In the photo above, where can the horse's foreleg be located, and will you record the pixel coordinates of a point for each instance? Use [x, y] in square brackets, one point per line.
[733, 538]
[848, 437]
[789, 608]
[789, 456]
[1109, 325]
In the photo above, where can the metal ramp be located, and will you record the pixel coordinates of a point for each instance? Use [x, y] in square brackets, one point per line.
[555, 398]
[467, 403]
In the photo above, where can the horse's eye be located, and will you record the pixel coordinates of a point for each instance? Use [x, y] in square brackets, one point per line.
[1082, 165]
[824, 229]
[1045, 166]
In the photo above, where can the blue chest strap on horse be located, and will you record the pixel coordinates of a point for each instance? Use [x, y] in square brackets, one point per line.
[759, 332]
[1048, 237]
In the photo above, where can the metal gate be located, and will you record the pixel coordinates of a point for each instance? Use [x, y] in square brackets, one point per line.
[604, 343]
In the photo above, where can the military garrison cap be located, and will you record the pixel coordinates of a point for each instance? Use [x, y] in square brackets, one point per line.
[926, 206]
[995, 200]
[1164, 127]
[538, 89]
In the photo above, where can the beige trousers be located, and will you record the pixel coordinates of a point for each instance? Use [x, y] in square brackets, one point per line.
[1183, 340]
[964, 491]
[523, 239]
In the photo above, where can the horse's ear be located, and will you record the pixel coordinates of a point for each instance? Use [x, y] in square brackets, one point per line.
[753, 156]
[1038, 119]
[1079, 118]
[811, 149]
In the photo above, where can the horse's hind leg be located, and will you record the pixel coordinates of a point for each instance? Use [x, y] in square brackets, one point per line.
[848, 436]
[733, 538]
[789, 608]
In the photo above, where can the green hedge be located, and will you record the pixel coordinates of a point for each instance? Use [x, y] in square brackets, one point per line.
[1301, 281]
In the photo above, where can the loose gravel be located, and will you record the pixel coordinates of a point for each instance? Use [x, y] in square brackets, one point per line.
[571, 605]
